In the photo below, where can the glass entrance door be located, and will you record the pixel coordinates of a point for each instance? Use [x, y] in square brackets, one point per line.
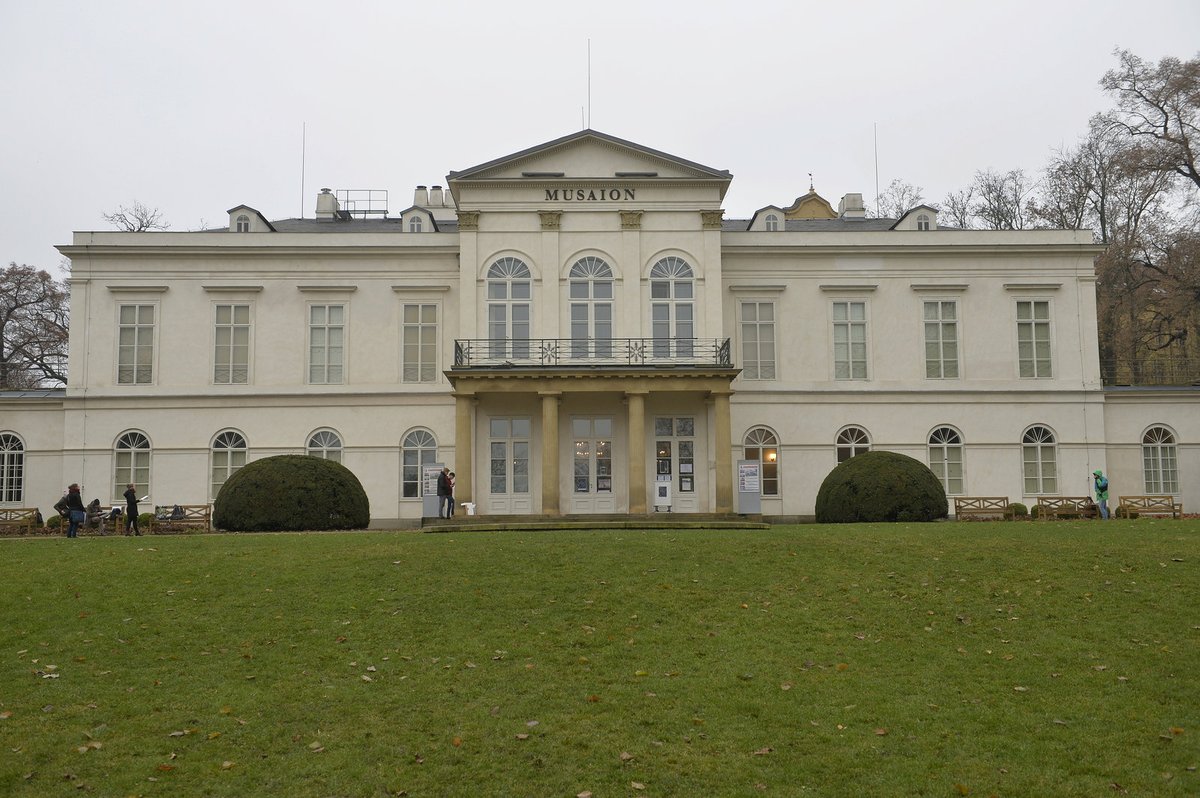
[592, 465]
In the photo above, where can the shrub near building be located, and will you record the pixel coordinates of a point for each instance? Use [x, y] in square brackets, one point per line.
[880, 486]
[291, 492]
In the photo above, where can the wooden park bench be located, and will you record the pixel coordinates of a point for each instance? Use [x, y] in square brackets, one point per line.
[187, 518]
[980, 506]
[22, 520]
[1150, 505]
[1055, 507]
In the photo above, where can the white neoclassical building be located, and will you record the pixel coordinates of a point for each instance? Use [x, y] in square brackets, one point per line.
[575, 326]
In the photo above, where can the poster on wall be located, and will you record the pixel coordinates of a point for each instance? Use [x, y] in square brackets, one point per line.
[748, 477]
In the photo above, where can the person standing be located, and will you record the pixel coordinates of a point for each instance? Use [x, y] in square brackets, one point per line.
[1101, 492]
[76, 512]
[131, 511]
[443, 492]
[450, 478]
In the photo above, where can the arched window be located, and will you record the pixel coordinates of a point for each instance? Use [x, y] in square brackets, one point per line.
[414, 224]
[418, 449]
[852, 441]
[763, 445]
[672, 321]
[1039, 458]
[922, 221]
[1160, 464]
[591, 292]
[946, 459]
[772, 222]
[509, 290]
[12, 469]
[228, 455]
[243, 224]
[131, 459]
[325, 444]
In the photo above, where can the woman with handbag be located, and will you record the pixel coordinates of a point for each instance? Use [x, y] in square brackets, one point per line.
[76, 512]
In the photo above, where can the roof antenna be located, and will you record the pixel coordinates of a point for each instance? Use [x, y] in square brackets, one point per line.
[876, 127]
[303, 141]
[810, 182]
[589, 92]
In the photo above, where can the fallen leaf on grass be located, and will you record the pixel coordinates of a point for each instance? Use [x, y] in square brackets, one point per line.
[1176, 730]
[522, 736]
[315, 747]
[637, 785]
[626, 756]
[1020, 689]
[881, 732]
[764, 751]
[6, 714]
[841, 666]
[226, 765]
[584, 794]
[456, 742]
[166, 768]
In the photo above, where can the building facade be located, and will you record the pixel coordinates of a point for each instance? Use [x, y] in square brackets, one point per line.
[575, 326]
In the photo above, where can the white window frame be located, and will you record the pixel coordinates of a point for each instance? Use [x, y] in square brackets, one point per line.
[230, 347]
[326, 326]
[419, 360]
[227, 454]
[755, 364]
[849, 325]
[587, 282]
[939, 327]
[761, 444]
[415, 223]
[242, 223]
[508, 292]
[1033, 323]
[1160, 460]
[940, 442]
[12, 469]
[771, 223]
[326, 444]
[679, 452]
[140, 459]
[672, 307]
[141, 331]
[513, 442]
[1034, 441]
[418, 448]
[851, 441]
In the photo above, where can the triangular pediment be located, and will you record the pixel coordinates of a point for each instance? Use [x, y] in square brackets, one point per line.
[589, 155]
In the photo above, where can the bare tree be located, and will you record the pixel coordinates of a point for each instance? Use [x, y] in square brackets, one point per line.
[34, 311]
[898, 198]
[1158, 105]
[1002, 199]
[955, 210]
[137, 218]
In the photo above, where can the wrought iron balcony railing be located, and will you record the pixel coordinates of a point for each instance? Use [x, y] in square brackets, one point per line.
[585, 353]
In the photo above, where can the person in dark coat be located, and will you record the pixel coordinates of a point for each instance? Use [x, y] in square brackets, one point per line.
[443, 492]
[131, 511]
[76, 512]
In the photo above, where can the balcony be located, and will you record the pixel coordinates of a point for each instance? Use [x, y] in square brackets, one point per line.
[1161, 370]
[558, 353]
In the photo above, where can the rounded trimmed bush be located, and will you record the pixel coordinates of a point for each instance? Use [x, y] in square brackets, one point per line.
[1016, 510]
[880, 486]
[291, 492]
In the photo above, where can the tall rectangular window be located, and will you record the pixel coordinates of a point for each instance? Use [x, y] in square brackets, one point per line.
[1033, 338]
[850, 340]
[135, 345]
[509, 455]
[758, 340]
[231, 359]
[325, 344]
[941, 340]
[419, 329]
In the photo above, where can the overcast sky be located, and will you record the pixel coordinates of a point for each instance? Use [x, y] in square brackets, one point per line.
[194, 107]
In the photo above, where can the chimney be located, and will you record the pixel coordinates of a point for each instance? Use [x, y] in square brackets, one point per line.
[421, 197]
[851, 207]
[327, 204]
[435, 197]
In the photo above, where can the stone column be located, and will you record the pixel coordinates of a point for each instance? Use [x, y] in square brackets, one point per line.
[464, 456]
[550, 455]
[637, 451]
[724, 475]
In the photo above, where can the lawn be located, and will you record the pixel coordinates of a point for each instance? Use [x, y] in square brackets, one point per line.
[1008, 659]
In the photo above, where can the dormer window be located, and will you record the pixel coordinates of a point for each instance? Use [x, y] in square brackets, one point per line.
[243, 224]
[772, 222]
[923, 221]
[414, 224]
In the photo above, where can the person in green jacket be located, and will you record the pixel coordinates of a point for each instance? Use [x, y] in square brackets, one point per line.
[1101, 492]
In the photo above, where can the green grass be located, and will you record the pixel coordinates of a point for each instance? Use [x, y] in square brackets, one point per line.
[1009, 659]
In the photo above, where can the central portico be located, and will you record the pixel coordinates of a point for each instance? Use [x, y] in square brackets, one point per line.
[595, 370]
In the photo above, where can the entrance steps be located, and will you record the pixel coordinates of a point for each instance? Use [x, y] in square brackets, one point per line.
[520, 523]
